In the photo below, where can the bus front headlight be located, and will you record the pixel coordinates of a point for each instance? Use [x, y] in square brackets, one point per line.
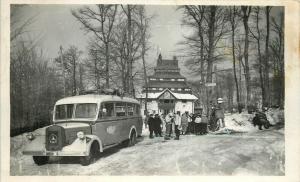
[80, 135]
[30, 136]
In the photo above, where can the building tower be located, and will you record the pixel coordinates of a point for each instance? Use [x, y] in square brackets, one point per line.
[167, 89]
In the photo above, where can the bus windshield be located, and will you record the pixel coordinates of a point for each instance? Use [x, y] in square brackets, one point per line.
[64, 111]
[87, 110]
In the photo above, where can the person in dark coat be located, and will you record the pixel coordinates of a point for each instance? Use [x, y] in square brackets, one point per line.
[260, 120]
[203, 125]
[197, 124]
[157, 125]
[151, 124]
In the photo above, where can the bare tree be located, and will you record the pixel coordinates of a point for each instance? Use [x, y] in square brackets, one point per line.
[266, 58]
[99, 21]
[70, 58]
[246, 10]
[277, 54]
[144, 28]
[18, 25]
[257, 36]
[232, 13]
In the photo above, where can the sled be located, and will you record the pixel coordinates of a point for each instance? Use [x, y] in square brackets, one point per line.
[225, 131]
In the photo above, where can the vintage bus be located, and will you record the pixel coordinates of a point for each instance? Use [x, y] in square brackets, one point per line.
[85, 125]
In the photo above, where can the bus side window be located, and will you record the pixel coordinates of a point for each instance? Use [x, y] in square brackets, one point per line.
[120, 109]
[130, 109]
[107, 110]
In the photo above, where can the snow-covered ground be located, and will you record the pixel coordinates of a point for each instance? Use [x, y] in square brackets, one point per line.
[251, 152]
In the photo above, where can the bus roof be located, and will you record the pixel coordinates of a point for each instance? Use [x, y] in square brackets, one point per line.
[90, 98]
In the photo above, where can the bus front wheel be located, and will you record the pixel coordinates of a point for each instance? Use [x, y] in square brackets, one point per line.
[40, 160]
[87, 160]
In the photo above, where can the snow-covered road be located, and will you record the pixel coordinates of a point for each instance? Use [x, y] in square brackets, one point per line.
[252, 153]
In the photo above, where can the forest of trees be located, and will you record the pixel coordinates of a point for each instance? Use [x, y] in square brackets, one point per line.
[119, 40]
[252, 38]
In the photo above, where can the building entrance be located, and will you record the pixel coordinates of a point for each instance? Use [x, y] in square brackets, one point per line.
[166, 105]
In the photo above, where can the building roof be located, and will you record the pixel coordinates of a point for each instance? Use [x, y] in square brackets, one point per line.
[180, 96]
[166, 74]
[167, 84]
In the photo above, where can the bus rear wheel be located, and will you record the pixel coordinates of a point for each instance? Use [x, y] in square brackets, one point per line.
[40, 160]
[132, 139]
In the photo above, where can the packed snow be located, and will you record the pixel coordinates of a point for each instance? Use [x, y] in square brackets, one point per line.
[191, 155]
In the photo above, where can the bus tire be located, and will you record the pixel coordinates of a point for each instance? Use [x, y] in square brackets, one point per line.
[40, 160]
[87, 160]
[132, 139]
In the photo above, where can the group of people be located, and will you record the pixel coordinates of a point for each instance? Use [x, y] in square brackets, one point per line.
[185, 123]
[178, 124]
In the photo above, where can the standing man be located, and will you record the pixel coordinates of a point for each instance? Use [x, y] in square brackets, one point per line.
[219, 112]
[157, 123]
[184, 122]
[177, 125]
[151, 123]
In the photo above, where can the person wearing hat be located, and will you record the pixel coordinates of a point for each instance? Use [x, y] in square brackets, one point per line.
[219, 112]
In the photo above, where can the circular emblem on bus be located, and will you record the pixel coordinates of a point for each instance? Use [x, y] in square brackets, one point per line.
[111, 129]
[53, 139]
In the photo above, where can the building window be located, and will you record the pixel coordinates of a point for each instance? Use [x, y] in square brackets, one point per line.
[172, 89]
[160, 88]
[154, 88]
[180, 79]
[152, 79]
[173, 79]
[179, 89]
[161, 79]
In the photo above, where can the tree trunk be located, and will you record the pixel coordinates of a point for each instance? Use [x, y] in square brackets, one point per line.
[233, 56]
[130, 59]
[211, 32]
[107, 64]
[246, 13]
[261, 75]
[74, 77]
[266, 62]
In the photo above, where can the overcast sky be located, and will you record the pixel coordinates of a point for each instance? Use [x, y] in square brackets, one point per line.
[54, 25]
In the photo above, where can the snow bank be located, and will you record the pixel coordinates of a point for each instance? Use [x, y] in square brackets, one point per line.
[243, 122]
[17, 143]
[240, 122]
[275, 116]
